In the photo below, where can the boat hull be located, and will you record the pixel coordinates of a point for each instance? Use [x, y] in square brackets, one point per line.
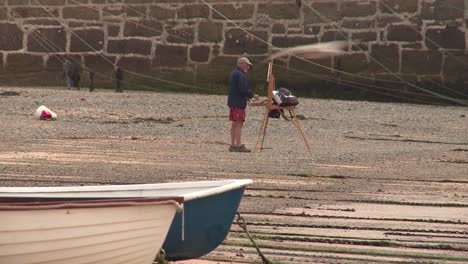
[130, 233]
[206, 224]
[209, 209]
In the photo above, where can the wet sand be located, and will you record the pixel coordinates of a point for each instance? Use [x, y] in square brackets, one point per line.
[388, 183]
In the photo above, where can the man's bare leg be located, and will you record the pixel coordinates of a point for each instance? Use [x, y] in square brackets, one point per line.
[236, 135]
[233, 134]
[240, 124]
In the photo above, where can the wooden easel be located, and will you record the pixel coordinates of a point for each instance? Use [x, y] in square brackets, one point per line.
[270, 106]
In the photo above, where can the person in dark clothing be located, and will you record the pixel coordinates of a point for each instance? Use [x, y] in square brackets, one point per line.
[239, 95]
[72, 73]
[118, 80]
[67, 69]
[91, 81]
[76, 75]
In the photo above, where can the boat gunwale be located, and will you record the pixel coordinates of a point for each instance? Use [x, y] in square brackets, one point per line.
[217, 188]
[101, 203]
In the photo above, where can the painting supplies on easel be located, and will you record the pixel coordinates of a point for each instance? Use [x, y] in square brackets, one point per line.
[272, 105]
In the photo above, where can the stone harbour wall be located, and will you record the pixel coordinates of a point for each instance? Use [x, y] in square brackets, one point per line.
[187, 42]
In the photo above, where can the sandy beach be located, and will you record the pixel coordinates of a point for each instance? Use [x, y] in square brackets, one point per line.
[387, 183]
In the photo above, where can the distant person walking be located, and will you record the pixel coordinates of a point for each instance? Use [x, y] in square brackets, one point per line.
[91, 81]
[119, 76]
[67, 68]
[239, 94]
[72, 72]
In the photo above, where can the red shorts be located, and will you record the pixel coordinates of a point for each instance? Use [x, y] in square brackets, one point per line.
[236, 114]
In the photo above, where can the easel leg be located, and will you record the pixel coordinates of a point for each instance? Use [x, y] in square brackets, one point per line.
[298, 125]
[265, 128]
[262, 129]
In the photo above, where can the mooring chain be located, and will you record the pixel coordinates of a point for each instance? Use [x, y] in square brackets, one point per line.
[243, 224]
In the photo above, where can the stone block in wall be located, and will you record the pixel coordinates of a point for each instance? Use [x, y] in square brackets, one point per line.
[413, 45]
[24, 63]
[129, 46]
[48, 2]
[292, 41]
[189, 11]
[101, 2]
[136, 1]
[117, 12]
[210, 32]
[29, 12]
[309, 67]
[238, 42]
[384, 58]
[280, 10]
[80, 12]
[86, 40]
[17, 2]
[358, 8]
[278, 29]
[352, 63]
[183, 80]
[248, 25]
[364, 36]
[318, 12]
[421, 61]
[161, 13]
[217, 71]
[11, 37]
[448, 38]
[99, 64]
[200, 53]
[47, 40]
[170, 56]
[42, 22]
[234, 11]
[357, 24]
[134, 11]
[3, 13]
[398, 6]
[384, 21]
[334, 35]
[80, 24]
[181, 35]
[142, 28]
[113, 30]
[297, 29]
[135, 64]
[407, 33]
[443, 9]
[455, 65]
[359, 46]
[113, 11]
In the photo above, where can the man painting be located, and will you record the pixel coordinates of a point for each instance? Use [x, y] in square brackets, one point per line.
[239, 95]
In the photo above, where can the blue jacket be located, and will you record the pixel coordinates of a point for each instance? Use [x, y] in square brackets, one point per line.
[239, 91]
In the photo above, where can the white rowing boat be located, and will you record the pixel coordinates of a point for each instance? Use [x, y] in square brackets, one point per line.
[209, 208]
[89, 231]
